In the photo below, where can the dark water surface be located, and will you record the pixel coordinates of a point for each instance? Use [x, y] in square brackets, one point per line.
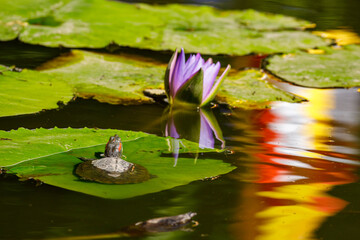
[298, 164]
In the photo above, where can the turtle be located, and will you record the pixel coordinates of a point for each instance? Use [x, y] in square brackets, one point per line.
[111, 169]
[183, 222]
[162, 224]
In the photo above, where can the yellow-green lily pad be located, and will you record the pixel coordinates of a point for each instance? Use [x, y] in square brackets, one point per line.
[29, 92]
[150, 151]
[247, 89]
[267, 21]
[108, 78]
[97, 23]
[336, 67]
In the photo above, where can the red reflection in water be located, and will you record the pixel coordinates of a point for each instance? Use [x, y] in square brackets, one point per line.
[307, 169]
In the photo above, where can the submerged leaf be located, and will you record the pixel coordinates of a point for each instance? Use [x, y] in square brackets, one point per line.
[77, 24]
[334, 68]
[147, 150]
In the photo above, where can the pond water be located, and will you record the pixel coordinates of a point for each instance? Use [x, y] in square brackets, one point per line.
[297, 164]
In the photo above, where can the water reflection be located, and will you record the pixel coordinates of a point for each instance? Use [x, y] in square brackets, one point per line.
[198, 126]
[305, 150]
[342, 36]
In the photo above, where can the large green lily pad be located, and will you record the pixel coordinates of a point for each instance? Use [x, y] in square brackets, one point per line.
[147, 150]
[97, 23]
[29, 92]
[247, 89]
[23, 144]
[15, 14]
[334, 68]
[267, 21]
[108, 78]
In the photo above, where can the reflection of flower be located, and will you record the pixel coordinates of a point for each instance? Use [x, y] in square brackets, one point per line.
[198, 127]
[192, 81]
[208, 128]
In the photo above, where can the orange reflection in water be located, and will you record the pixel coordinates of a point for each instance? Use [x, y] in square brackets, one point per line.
[300, 161]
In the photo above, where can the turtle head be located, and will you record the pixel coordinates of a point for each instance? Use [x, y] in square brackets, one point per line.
[114, 147]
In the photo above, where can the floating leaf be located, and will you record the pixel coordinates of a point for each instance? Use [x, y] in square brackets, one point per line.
[14, 16]
[107, 78]
[149, 151]
[334, 68]
[268, 21]
[29, 92]
[247, 89]
[97, 23]
[23, 144]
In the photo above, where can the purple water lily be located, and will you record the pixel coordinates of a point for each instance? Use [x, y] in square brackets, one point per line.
[193, 81]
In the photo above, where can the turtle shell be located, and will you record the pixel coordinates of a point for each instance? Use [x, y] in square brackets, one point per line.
[112, 170]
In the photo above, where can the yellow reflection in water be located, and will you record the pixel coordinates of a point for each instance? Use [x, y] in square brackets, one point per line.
[341, 36]
[322, 102]
[298, 220]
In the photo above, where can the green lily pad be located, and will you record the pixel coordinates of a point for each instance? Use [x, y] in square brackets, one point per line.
[334, 68]
[147, 150]
[97, 23]
[14, 15]
[29, 92]
[246, 89]
[107, 78]
[23, 144]
[268, 21]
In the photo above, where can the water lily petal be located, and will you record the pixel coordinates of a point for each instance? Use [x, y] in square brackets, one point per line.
[207, 64]
[190, 61]
[170, 72]
[178, 76]
[209, 79]
[192, 69]
[216, 87]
